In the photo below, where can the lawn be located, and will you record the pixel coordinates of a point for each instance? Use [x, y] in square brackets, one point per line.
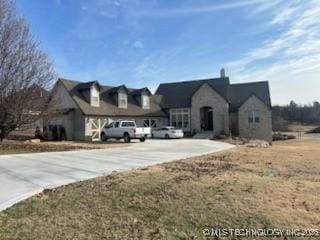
[276, 187]
[17, 147]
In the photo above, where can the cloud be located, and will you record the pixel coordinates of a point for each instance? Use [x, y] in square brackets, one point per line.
[138, 44]
[203, 9]
[284, 15]
[290, 55]
[265, 7]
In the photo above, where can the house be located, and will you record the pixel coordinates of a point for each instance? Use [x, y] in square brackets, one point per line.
[208, 105]
[85, 108]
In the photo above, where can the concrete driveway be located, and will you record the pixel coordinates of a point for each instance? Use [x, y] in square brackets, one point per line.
[24, 175]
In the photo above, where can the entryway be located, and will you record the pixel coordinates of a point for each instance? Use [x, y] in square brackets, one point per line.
[206, 119]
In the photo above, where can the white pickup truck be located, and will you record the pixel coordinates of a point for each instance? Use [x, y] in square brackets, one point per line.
[126, 130]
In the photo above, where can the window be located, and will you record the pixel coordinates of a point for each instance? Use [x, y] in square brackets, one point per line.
[180, 118]
[128, 124]
[254, 116]
[145, 101]
[95, 101]
[185, 121]
[150, 123]
[94, 93]
[116, 124]
[122, 100]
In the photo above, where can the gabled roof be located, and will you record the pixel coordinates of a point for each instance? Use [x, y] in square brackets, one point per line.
[117, 89]
[88, 85]
[141, 91]
[178, 94]
[108, 106]
[239, 93]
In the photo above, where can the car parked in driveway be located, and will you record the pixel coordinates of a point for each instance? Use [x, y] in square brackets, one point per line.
[167, 132]
[126, 130]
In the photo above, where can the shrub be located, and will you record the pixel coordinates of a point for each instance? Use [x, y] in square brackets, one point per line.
[315, 130]
[282, 137]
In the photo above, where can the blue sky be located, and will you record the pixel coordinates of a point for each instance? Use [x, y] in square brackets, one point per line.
[145, 42]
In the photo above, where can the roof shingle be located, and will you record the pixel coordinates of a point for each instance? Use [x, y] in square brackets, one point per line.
[107, 105]
[179, 94]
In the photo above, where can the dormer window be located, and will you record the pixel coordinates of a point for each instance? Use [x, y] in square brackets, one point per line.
[91, 92]
[123, 100]
[145, 101]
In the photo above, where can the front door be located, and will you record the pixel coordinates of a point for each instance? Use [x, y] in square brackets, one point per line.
[210, 120]
[206, 115]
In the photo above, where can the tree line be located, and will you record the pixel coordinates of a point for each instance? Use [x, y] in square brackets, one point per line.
[293, 112]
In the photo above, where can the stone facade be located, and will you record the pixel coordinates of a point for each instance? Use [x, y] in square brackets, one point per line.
[259, 130]
[206, 96]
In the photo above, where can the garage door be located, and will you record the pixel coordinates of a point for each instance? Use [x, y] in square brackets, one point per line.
[97, 124]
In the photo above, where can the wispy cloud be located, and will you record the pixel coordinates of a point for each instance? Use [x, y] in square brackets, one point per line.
[293, 53]
[285, 15]
[300, 38]
[265, 7]
[196, 9]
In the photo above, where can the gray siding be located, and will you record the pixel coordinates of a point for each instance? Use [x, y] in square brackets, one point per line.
[79, 125]
[66, 120]
[61, 98]
[72, 121]
[161, 122]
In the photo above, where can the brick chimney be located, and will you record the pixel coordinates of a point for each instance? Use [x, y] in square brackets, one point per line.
[222, 73]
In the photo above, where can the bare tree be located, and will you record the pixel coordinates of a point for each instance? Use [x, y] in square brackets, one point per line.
[25, 71]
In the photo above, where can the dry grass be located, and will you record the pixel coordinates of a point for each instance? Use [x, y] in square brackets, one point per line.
[176, 200]
[17, 147]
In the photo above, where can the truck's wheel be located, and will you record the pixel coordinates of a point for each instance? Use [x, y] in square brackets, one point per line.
[103, 137]
[126, 138]
[142, 139]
